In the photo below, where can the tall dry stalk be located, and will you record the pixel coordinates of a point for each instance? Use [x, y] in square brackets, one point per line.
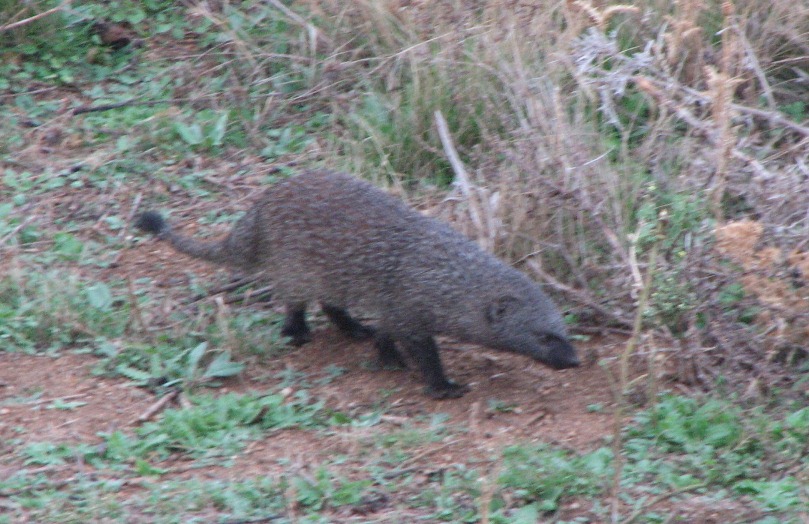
[620, 388]
[721, 85]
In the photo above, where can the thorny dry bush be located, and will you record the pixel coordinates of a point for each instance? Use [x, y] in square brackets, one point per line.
[591, 133]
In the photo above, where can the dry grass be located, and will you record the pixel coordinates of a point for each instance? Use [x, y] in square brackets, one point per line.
[578, 123]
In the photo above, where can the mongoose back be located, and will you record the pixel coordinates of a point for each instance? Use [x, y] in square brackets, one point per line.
[334, 239]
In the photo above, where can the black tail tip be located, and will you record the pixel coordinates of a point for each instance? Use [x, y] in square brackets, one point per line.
[151, 222]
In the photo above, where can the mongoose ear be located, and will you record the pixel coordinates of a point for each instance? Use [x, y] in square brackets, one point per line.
[500, 307]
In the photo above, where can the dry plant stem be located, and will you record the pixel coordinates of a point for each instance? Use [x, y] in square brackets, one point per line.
[132, 211]
[721, 85]
[17, 229]
[226, 27]
[256, 520]
[487, 491]
[230, 286]
[418, 456]
[620, 390]
[657, 90]
[251, 297]
[222, 317]
[462, 177]
[136, 318]
[637, 513]
[134, 102]
[660, 88]
[54, 399]
[158, 406]
[643, 301]
[34, 18]
[313, 31]
[580, 296]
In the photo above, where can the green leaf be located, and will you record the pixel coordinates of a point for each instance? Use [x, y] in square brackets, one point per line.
[194, 356]
[799, 420]
[219, 129]
[62, 405]
[143, 468]
[222, 367]
[191, 134]
[100, 296]
[528, 514]
[133, 374]
[67, 246]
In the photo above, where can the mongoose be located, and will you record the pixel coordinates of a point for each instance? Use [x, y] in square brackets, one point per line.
[331, 238]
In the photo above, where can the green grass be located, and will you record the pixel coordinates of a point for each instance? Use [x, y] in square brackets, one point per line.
[682, 445]
[585, 172]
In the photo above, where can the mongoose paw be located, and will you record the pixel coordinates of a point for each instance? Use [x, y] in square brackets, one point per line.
[297, 337]
[389, 356]
[446, 391]
[296, 328]
[360, 332]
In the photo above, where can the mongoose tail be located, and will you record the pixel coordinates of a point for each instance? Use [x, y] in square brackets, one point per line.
[218, 251]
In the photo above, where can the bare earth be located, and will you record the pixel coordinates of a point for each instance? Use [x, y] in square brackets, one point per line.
[571, 409]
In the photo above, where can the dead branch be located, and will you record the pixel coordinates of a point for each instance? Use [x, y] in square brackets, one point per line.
[774, 117]
[20, 23]
[158, 406]
[462, 178]
[251, 297]
[579, 296]
[230, 286]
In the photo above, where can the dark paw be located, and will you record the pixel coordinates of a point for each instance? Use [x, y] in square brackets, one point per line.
[297, 337]
[389, 356]
[445, 391]
[360, 332]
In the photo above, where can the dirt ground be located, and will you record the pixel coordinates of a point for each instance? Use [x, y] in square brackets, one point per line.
[541, 404]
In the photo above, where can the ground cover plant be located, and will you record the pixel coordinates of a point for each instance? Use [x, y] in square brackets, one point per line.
[647, 162]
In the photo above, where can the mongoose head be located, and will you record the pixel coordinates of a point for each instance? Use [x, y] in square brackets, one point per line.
[528, 323]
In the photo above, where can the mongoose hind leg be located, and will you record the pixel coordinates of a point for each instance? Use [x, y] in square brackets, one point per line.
[423, 349]
[295, 326]
[346, 324]
[389, 356]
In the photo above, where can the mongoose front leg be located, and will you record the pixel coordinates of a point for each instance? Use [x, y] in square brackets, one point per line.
[295, 326]
[346, 324]
[423, 349]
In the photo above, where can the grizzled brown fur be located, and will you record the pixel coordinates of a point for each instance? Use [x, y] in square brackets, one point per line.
[333, 239]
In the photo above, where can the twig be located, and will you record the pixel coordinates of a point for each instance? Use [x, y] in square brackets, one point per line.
[255, 520]
[637, 513]
[16, 230]
[419, 456]
[659, 88]
[133, 102]
[251, 297]
[577, 295]
[134, 307]
[107, 107]
[462, 177]
[34, 18]
[620, 389]
[54, 399]
[298, 19]
[755, 65]
[230, 286]
[157, 406]
[131, 215]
